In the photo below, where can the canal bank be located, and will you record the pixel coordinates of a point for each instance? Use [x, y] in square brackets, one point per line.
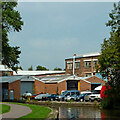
[78, 110]
[67, 104]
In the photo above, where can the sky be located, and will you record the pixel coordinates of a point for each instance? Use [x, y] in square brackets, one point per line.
[54, 31]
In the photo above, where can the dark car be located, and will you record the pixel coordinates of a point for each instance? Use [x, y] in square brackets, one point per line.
[81, 97]
[51, 97]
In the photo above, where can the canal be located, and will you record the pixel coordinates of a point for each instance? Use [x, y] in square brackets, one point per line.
[87, 112]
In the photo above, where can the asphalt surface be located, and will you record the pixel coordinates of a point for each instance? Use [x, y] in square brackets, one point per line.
[16, 111]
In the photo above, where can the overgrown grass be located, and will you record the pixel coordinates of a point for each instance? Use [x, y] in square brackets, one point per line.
[37, 112]
[4, 108]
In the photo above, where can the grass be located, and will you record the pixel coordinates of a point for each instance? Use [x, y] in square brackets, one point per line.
[4, 108]
[37, 112]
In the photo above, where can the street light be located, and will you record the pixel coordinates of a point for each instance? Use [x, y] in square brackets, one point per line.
[74, 64]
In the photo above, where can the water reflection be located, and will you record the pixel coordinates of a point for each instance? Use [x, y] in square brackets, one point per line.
[87, 112]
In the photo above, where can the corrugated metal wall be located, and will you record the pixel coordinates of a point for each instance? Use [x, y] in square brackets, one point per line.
[26, 87]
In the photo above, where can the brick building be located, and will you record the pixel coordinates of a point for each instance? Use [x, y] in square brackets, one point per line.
[5, 71]
[13, 87]
[85, 65]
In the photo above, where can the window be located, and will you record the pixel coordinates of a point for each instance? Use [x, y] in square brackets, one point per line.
[69, 65]
[87, 64]
[77, 65]
[95, 63]
[87, 74]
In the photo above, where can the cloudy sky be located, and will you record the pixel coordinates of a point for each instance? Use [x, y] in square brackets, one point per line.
[55, 31]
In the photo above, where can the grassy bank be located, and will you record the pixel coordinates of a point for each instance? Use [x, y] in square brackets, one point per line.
[4, 108]
[37, 111]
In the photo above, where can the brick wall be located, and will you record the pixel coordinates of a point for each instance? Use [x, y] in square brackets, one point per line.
[51, 88]
[61, 86]
[84, 86]
[95, 79]
[82, 70]
[16, 86]
[39, 87]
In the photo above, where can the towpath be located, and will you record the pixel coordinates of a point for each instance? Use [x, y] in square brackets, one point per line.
[16, 111]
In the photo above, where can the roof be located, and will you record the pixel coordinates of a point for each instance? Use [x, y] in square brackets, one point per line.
[36, 72]
[98, 88]
[10, 79]
[44, 79]
[53, 79]
[86, 55]
[5, 68]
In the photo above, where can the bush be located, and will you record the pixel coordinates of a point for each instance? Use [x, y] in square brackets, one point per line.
[107, 103]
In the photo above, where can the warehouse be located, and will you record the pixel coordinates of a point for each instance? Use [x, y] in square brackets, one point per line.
[13, 87]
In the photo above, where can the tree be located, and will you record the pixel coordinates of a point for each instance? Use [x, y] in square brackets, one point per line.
[109, 61]
[110, 51]
[57, 69]
[114, 23]
[11, 21]
[31, 68]
[41, 68]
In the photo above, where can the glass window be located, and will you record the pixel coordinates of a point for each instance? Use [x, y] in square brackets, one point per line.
[68, 94]
[87, 74]
[77, 65]
[77, 93]
[95, 63]
[72, 93]
[87, 64]
[69, 65]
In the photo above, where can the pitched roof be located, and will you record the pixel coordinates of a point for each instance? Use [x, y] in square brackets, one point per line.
[36, 72]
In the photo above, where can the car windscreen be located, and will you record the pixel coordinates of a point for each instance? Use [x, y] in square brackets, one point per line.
[96, 92]
[63, 93]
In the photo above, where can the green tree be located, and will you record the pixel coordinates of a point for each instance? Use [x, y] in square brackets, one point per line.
[11, 21]
[110, 49]
[110, 54]
[31, 68]
[41, 68]
[57, 69]
[109, 61]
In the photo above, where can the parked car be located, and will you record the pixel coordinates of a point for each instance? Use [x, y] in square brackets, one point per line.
[34, 95]
[51, 97]
[73, 97]
[40, 96]
[81, 97]
[68, 95]
[96, 94]
[86, 97]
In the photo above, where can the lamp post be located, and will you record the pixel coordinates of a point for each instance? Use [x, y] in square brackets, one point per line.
[74, 64]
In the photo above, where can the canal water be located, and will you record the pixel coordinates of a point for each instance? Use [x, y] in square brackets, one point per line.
[87, 112]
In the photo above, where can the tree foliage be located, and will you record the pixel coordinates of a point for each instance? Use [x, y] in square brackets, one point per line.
[31, 68]
[110, 53]
[110, 49]
[57, 69]
[114, 22]
[11, 21]
[41, 68]
[109, 61]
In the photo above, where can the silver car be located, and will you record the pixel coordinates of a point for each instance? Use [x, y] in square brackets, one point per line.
[40, 96]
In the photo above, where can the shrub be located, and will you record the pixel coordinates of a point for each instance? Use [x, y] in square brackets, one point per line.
[107, 103]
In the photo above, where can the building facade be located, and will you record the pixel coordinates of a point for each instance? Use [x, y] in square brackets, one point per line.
[13, 87]
[84, 65]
